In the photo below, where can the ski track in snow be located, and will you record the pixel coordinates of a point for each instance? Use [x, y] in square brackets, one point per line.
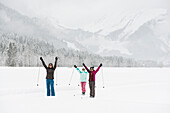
[127, 90]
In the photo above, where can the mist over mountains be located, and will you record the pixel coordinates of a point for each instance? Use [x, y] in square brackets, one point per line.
[140, 38]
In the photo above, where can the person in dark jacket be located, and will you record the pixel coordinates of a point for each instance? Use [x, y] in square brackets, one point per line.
[50, 76]
[92, 74]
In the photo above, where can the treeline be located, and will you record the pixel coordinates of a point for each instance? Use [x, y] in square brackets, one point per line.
[25, 51]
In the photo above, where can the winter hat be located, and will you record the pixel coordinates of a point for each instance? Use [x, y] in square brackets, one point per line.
[50, 64]
[92, 67]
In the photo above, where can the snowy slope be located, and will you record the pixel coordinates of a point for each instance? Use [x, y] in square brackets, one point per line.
[127, 90]
[131, 20]
[42, 28]
[142, 35]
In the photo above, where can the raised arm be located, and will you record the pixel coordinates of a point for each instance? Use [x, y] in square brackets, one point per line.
[77, 69]
[43, 62]
[55, 64]
[98, 68]
[86, 68]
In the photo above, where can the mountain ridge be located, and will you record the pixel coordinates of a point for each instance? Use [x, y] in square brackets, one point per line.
[137, 44]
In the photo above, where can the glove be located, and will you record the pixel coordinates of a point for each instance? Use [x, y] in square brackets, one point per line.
[101, 65]
[83, 64]
[41, 58]
[75, 66]
[56, 58]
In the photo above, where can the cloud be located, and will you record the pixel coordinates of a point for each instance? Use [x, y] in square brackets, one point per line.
[78, 13]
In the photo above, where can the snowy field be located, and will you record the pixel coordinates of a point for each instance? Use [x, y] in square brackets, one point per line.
[127, 90]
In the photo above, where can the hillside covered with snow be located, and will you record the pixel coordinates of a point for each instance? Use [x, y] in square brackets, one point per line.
[139, 35]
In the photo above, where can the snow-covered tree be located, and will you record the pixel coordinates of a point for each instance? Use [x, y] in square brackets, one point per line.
[12, 55]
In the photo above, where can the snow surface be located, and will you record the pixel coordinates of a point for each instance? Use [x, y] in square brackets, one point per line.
[127, 90]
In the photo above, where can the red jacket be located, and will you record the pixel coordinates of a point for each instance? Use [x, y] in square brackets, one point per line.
[94, 72]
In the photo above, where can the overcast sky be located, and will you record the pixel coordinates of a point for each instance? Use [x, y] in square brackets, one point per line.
[78, 13]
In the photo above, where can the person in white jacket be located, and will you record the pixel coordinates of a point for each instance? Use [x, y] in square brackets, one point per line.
[83, 79]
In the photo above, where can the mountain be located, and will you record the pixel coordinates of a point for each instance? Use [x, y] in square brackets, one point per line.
[42, 28]
[141, 35]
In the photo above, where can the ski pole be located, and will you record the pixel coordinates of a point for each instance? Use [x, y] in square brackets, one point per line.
[71, 76]
[56, 77]
[79, 83]
[38, 76]
[102, 77]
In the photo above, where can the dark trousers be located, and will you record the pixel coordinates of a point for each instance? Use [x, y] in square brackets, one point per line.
[50, 83]
[92, 88]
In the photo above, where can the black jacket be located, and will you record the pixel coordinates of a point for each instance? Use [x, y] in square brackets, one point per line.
[50, 71]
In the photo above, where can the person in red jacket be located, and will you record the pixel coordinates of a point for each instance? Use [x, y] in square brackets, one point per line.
[92, 74]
